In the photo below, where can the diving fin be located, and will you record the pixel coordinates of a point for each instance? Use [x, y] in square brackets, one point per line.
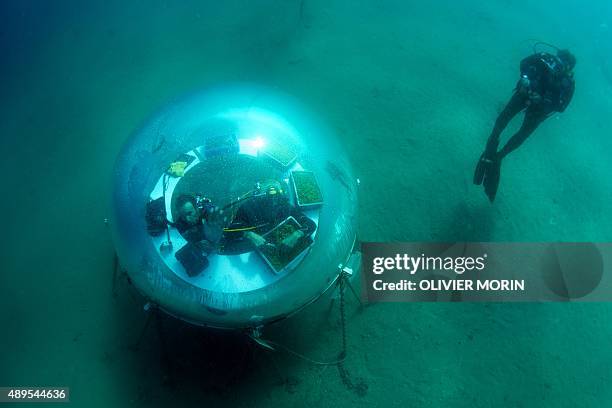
[491, 178]
[481, 168]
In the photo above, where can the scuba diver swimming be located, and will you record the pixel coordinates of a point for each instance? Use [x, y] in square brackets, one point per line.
[546, 86]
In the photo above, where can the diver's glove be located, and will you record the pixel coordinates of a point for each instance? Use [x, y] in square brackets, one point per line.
[291, 241]
[256, 239]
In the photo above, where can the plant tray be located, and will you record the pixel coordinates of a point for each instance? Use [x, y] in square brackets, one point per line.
[279, 154]
[307, 191]
[278, 262]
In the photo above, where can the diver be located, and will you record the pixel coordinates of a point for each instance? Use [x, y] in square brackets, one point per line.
[267, 208]
[193, 221]
[196, 222]
[546, 86]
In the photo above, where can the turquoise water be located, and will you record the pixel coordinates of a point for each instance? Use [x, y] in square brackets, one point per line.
[412, 90]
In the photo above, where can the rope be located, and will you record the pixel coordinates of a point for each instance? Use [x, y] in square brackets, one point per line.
[342, 355]
[342, 315]
[307, 359]
[254, 227]
[238, 229]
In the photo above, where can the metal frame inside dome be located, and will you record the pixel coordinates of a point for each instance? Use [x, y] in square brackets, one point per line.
[225, 273]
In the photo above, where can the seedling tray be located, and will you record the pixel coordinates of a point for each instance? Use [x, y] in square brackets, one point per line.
[278, 262]
[307, 191]
[279, 154]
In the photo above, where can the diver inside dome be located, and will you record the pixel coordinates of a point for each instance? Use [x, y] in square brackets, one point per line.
[265, 210]
[194, 220]
[194, 223]
[264, 219]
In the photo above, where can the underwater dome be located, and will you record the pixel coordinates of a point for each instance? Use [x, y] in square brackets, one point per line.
[233, 207]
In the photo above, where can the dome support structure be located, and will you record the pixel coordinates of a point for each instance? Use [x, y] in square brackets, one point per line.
[342, 281]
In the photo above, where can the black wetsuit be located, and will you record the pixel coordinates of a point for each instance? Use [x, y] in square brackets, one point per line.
[546, 86]
[191, 232]
[266, 212]
[204, 228]
[549, 81]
